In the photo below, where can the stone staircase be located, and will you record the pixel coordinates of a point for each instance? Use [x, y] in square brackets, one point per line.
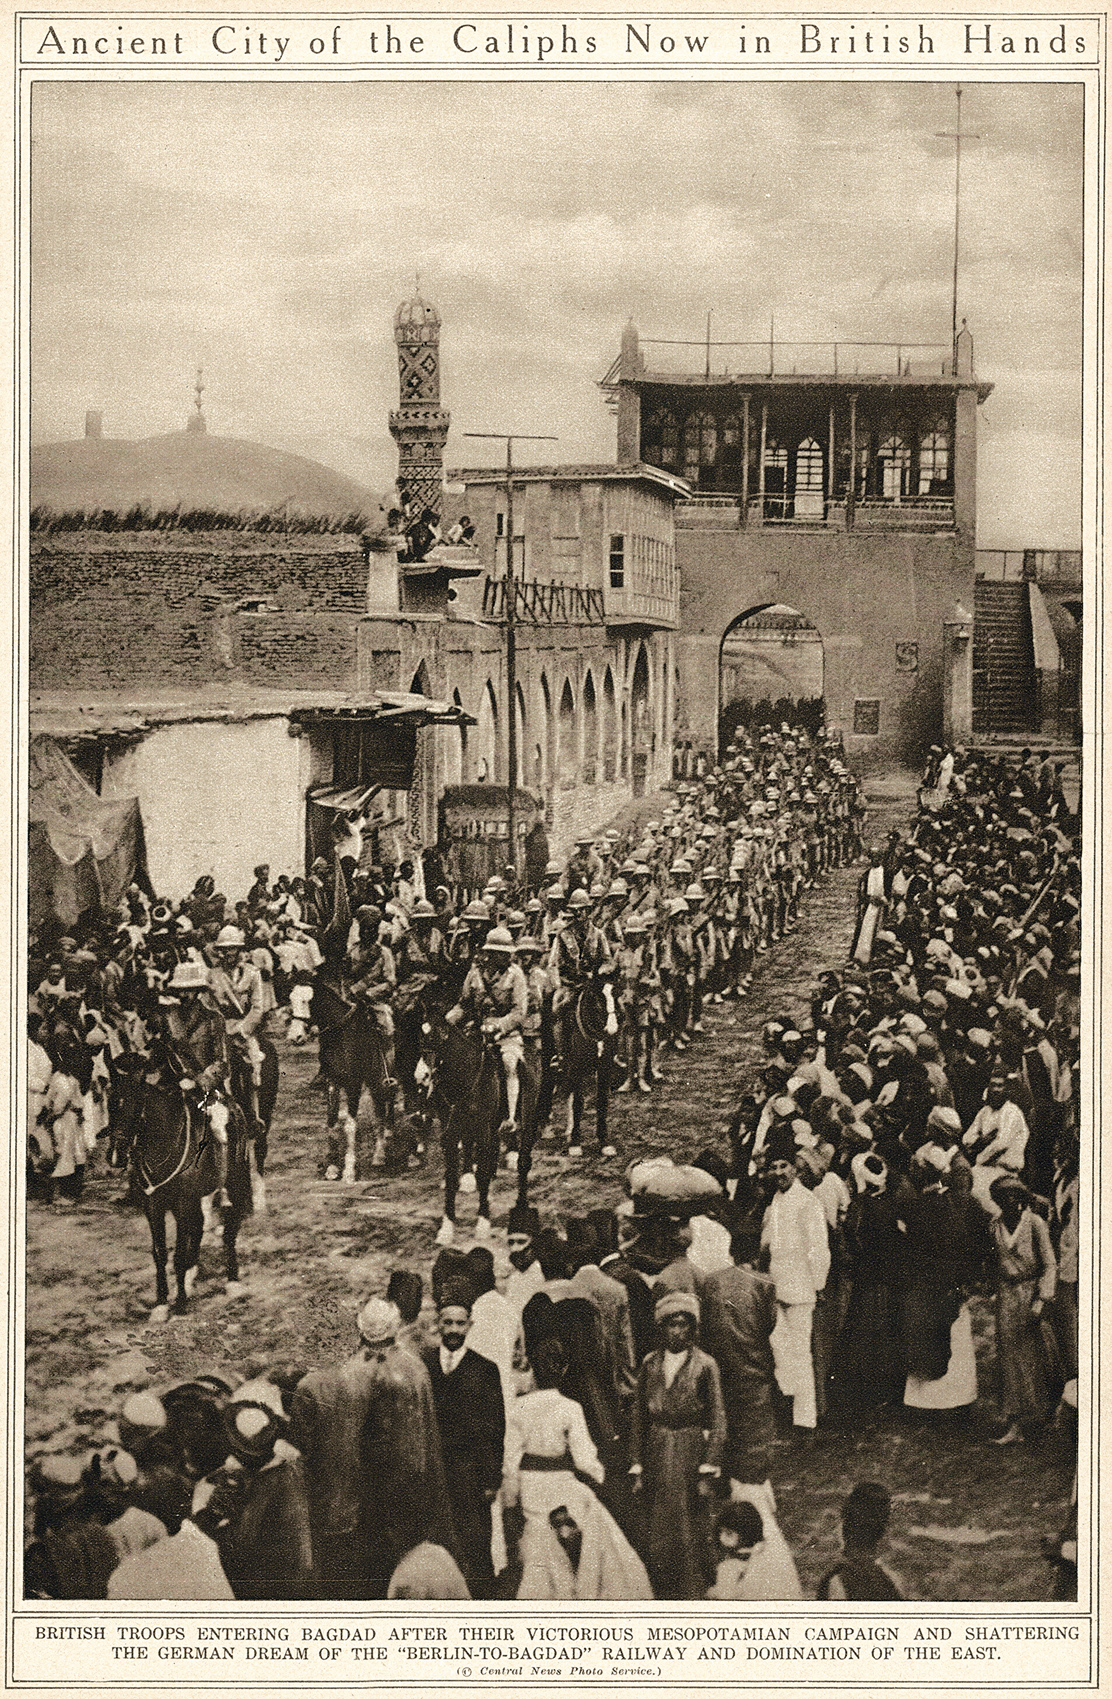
[1005, 685]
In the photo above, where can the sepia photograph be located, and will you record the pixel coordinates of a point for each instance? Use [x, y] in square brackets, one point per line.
[554, 938]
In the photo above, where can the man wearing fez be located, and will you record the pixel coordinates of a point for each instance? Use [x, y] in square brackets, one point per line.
[526, 1275]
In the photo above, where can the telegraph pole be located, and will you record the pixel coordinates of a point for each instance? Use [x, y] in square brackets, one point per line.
[510, 607]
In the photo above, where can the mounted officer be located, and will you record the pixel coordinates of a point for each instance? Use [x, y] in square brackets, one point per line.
[237, 987]
[579, 954]
[196, 1040]
[496, 997]
[370, 976]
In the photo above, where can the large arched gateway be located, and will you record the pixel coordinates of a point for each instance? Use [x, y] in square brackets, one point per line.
[770, 668]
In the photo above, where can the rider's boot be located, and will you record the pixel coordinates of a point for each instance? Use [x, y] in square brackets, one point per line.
[254, 1118]
[513, 1092]
[218, 1121]
[389, 1062]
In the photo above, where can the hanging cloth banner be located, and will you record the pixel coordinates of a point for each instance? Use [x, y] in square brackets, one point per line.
[84, 851]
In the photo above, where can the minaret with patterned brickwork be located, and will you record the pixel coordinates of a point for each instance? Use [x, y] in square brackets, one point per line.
[420, 426]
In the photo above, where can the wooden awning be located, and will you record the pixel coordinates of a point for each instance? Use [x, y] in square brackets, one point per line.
[400, 707]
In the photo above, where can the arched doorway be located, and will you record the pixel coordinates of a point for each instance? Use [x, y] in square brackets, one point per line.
[523, 761]
[568, 741]
[609, 729]
[640, 721]
[545, 752]
[486, 739]
[589, 768]
[455, 750]
[770, 669]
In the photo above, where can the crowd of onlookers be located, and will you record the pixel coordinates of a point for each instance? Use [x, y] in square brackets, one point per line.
[605, 1423]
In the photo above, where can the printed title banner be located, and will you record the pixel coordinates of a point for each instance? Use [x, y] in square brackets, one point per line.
[390, 42]
[937, 1648]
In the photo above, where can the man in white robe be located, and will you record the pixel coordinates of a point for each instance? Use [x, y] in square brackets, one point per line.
[794, 1233]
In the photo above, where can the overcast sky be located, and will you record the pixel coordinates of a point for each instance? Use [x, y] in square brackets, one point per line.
[268, 231]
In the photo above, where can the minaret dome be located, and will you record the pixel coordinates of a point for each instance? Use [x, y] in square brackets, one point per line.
[415, 314]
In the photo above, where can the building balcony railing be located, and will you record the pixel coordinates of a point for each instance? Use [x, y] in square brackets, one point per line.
[708, 513]
[916, 513]
[810, 511]
[767, 358]
[538, 603]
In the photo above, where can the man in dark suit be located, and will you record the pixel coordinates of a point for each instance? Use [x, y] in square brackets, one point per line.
[470, 1413]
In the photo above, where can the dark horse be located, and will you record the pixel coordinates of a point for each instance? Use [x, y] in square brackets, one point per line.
[173, 1156]
[468, 1099]
[589, 1042]
[352, 1056]
[267, 1097]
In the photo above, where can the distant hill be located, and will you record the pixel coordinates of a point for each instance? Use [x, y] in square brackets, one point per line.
[192, 470]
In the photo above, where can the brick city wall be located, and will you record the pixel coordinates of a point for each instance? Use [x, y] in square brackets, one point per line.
[295, 649]
[111, 610]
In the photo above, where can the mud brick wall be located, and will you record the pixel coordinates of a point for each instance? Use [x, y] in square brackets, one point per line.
[111, 610]
[295, 649]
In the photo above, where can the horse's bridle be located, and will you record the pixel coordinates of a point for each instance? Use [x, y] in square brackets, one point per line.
[150, 1187]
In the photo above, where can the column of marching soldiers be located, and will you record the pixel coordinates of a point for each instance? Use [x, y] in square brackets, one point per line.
[671, 913]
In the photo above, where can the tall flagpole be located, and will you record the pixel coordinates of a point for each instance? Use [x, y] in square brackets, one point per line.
[510, 617]
[956, 137]
[957, 232]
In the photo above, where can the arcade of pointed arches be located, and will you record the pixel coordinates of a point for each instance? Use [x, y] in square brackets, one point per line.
[595, 724]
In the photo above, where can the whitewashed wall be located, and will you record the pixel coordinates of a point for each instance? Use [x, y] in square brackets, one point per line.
[216, 799]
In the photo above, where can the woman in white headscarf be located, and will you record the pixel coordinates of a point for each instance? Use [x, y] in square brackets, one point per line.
[947, 1246]
[764, 1569]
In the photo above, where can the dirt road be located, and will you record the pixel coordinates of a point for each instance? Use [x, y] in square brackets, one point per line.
[967, 1517]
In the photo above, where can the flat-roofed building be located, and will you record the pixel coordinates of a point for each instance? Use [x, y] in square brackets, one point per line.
[838, 482]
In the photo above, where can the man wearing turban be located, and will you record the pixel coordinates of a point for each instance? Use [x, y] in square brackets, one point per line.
[368, 1434]
[679, 1431]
